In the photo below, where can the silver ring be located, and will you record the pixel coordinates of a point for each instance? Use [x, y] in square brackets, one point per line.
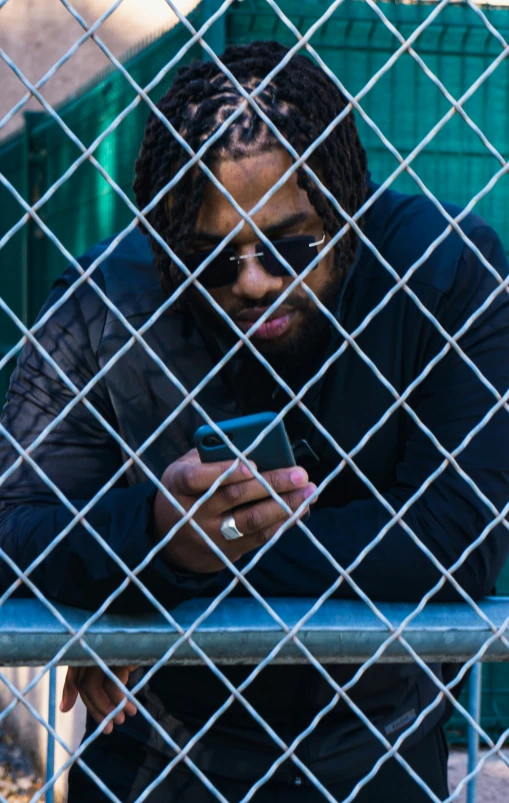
[229, 529]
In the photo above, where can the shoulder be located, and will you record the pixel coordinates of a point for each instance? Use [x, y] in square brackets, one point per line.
[123, 269]
[122, 275]
[412, 234]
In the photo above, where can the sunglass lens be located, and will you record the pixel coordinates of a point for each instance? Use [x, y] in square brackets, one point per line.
[218, 273]
[298, 252]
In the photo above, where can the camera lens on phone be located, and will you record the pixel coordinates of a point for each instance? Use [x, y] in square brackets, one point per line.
[211, 441]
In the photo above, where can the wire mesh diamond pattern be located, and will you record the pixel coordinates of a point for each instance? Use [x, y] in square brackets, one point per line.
[32, 212]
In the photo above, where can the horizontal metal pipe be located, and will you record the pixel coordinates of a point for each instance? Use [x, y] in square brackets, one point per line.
[239, 631]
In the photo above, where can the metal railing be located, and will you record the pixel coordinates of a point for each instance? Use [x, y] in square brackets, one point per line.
[340, 631]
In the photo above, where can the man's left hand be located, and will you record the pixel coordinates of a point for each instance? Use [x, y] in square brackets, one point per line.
[99, 693]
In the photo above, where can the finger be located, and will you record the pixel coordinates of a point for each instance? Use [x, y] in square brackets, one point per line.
[116, 695]
[192, 456]
[260, 538]
[258, 517]
[131, 709]
[193, 479]
[70, 689]
[242, 493]
[93, 688]
[97, 715]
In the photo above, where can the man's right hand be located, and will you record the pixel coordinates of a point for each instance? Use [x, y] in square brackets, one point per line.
[257, 515]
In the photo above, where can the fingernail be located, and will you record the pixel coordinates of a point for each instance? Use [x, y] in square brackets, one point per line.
[309, 491]
[298, 476]
[245, 470]
[61, 706]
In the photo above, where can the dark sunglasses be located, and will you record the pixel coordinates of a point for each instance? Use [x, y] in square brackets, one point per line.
[224, 268]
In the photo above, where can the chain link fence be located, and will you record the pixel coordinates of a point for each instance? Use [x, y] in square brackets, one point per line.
[59, 169]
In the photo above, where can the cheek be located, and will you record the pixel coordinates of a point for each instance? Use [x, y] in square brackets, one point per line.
[322, 276]
[222, 297]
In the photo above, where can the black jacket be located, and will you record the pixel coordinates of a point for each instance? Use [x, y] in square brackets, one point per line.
[401, 460]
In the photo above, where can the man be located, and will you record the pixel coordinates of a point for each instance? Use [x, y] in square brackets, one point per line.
[405, 462]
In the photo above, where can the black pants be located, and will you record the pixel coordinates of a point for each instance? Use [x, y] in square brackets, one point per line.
[127, 769]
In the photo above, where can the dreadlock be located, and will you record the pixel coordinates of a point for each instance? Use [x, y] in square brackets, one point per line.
[300, 100]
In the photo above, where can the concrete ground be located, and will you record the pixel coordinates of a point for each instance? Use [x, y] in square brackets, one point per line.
[492, 783]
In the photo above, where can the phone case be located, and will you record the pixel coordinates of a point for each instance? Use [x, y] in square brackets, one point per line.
[273, 452]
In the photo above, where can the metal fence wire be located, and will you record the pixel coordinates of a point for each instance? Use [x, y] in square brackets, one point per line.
[24, 211]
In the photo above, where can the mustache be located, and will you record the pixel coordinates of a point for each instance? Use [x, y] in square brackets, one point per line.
[289, 303]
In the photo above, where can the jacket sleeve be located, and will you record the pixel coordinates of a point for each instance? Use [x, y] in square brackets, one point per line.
[78, 456]
[448, 516]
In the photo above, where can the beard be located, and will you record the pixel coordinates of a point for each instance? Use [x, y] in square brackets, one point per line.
[301, 355]
[296, 359]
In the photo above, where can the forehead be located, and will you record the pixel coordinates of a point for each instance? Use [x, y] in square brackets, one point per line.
[248, 179]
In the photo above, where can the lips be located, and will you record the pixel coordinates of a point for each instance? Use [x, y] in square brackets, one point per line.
[274, 326]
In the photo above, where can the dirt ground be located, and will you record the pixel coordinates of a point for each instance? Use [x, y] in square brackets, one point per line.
[18, 779]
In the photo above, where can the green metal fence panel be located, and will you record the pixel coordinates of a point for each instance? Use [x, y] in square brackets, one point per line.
[13, 164]
[85, 209]
[404, 103]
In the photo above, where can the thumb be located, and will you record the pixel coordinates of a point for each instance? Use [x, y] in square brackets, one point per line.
[70, 689]
[192, 456]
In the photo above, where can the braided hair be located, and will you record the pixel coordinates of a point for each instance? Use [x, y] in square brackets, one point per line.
[300, 100]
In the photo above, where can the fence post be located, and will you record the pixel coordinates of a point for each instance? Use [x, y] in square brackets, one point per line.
[50, 751]
[474, 707]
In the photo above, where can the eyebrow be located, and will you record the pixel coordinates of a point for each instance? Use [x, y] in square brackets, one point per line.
[269, 231]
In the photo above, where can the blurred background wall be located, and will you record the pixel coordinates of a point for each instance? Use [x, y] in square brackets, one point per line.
[36, 33]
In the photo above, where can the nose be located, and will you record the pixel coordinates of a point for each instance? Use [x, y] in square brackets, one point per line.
[253, 281]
